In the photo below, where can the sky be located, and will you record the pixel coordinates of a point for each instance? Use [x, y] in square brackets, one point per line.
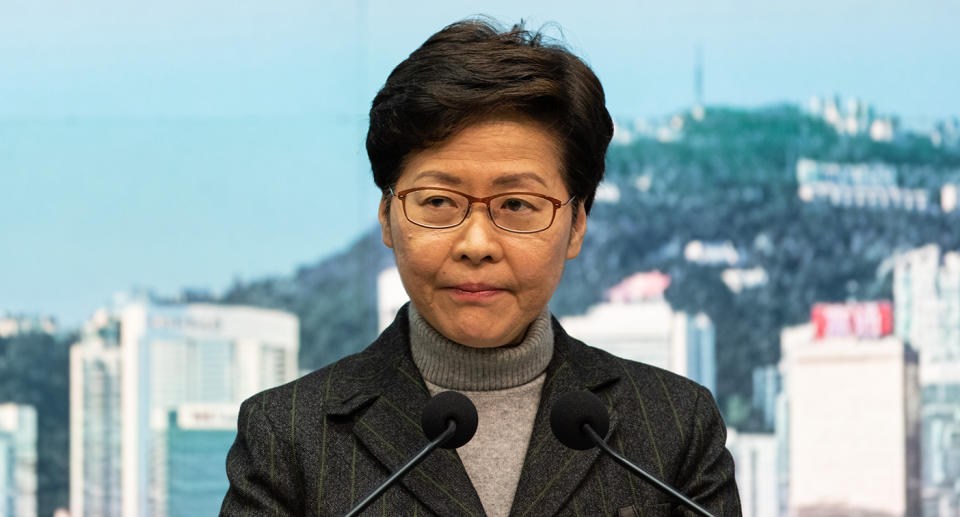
[190, 144]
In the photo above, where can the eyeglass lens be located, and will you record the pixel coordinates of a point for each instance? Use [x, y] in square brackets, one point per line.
[516, 212]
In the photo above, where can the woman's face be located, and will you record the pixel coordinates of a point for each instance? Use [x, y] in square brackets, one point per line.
[477, 284]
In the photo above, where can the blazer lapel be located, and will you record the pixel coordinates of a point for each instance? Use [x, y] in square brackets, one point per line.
[389, 428]
[551, 471]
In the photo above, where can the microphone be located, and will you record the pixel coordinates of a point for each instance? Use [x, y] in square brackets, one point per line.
[579, 419]
[449, 420]
[445, 409]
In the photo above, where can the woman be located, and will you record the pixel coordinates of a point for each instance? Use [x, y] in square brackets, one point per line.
[488, 147]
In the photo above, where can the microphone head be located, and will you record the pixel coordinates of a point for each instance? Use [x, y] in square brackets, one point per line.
[445, 407]
[571, 411]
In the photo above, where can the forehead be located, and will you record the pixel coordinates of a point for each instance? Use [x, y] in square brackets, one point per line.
[501, 153]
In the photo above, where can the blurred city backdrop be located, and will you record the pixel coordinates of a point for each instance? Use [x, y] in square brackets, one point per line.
[187, 218]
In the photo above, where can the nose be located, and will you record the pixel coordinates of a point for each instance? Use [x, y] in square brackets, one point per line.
[478, 240]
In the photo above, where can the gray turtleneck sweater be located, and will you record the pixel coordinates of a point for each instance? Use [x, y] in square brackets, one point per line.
[504, 383]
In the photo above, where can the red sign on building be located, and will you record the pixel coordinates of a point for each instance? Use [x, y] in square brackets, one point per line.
[864, 320]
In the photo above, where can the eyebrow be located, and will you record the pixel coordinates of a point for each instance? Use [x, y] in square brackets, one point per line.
[507, 180]
[443, 177]
[515, 179]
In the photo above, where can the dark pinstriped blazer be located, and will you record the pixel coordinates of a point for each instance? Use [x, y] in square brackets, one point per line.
[318, 445]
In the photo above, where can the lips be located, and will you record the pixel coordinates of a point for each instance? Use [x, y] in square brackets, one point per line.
[474, 291]
[476, 287]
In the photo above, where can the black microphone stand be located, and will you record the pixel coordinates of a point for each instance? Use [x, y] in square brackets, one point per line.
[438, 441]
[642, 473]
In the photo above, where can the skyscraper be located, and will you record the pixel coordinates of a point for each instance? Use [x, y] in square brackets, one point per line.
[194, 446]
[18, 461]
[144, 359]
[927, 296]
[915, 298]
[390, 297]
[637, 323]
[853, 424]
[755, 455]
[766, 387]
[95, 442]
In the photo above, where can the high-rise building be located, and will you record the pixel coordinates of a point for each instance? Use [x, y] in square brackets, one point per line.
[766, 387]
[927, 297]
[941, 450]
[18, 460]
[940, 360]
[853, 424]
[781, 430]
[95, 427]
[916, 301]
[637, 323]
[144, 359]
[390, 297]
[755, 455]
[193, 449]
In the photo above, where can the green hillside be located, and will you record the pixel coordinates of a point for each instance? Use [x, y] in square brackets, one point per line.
[730, 178]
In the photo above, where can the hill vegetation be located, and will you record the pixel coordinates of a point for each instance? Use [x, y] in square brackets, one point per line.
[730, 178]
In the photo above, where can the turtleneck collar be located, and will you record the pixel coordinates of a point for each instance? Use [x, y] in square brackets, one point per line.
[454, 366]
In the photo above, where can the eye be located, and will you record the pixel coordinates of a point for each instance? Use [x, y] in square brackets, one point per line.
[438, 202]
[516, 204]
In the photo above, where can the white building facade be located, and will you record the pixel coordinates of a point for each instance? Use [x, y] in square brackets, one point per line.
[193, 442]
[852, 425]
[755, 457]
[637, 323]
[95, 426]
[391, 295]
[141, 361]
[18, 460]
[871, 185]
[926, 286]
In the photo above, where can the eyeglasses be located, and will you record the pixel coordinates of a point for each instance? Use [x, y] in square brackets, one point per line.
[518, 212]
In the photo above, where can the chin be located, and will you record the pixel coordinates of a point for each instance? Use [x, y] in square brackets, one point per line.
[475, 327]
[481, 337]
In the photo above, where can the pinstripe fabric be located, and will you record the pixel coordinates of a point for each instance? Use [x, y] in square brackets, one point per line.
[319, 444]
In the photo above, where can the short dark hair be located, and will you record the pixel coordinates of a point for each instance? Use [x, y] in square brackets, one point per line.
[471, 71]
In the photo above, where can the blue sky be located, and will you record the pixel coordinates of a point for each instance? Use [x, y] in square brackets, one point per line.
[190, 143]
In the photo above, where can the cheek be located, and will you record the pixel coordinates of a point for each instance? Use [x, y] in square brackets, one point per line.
[418, 254]
[539, 265]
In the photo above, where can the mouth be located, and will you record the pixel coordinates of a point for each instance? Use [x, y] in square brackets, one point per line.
[474, 291]
[476, 287]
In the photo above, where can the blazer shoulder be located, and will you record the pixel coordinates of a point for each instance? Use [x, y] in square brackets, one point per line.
[669, 380]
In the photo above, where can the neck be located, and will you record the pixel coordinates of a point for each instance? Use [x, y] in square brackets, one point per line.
[451, 365]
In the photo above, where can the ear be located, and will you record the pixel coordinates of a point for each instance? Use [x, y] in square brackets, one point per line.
[577, 231]
[384, 217]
